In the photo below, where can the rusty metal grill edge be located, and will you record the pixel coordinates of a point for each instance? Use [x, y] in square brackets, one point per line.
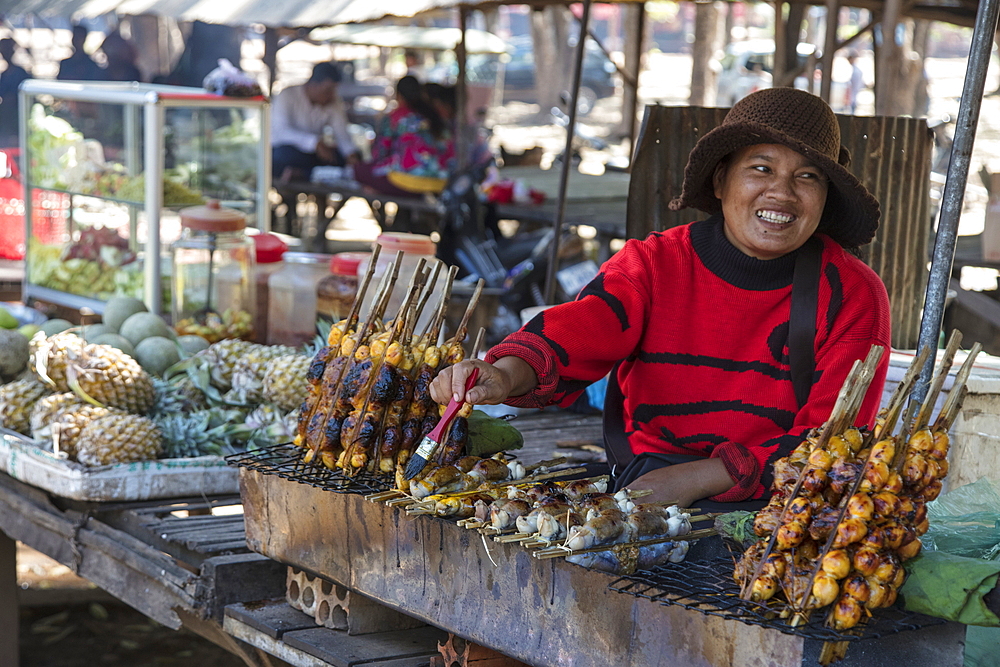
[285, 461]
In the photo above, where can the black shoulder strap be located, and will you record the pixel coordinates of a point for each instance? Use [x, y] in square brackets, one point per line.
[802, 318]
[616, 446]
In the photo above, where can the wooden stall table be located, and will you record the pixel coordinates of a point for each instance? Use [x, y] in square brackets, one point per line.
[600, 202]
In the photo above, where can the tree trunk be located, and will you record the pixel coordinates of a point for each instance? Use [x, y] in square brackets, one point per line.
[553, 58]
[708, 26]
[635, 46]
[900, 81]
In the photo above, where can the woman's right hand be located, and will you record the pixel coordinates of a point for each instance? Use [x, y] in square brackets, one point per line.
[493, 385]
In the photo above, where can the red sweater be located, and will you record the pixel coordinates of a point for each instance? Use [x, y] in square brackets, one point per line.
[703, 332]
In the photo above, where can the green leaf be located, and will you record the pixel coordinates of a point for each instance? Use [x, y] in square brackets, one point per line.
[489, 435]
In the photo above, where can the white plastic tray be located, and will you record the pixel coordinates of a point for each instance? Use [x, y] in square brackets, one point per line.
[145, 480]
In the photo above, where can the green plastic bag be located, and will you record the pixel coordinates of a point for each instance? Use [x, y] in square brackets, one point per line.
[489, 435]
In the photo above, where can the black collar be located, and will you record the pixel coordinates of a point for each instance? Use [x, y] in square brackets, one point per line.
[738, 269]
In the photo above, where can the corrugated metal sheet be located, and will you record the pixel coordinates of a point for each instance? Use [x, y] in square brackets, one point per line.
[891, 156]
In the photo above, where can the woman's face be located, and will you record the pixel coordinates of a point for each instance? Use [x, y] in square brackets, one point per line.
[772, 199]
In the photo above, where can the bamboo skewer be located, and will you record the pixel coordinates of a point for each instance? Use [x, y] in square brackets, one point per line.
[924, 415]
[462, 330]
[562, 552]
[954, 401]
[898, 399]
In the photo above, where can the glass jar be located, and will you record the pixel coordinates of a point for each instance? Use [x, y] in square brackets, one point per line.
[269, 251]
[414, 247]
[336, 292]
[213, 265]
[291, 313]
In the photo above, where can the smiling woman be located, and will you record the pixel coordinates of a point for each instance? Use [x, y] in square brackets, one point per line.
[694, 323]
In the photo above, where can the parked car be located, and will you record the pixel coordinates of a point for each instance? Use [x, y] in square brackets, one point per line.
[747, 67]
[597, 81]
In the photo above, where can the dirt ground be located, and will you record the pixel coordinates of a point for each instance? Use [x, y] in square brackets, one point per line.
[87, 634]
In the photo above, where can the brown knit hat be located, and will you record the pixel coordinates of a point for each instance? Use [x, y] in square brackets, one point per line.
[804, 123]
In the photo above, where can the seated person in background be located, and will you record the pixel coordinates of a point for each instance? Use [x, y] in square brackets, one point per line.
[10, 80]
[412, 148]
[79, 66]
[309, 126]
[444, 99]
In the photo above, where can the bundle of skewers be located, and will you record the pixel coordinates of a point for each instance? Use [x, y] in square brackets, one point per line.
[369, 403]
[848, 505]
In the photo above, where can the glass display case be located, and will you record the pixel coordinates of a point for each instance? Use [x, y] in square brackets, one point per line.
[111, 164]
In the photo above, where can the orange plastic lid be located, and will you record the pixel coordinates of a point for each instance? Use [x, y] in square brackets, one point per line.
[211, 217]
[414, 244]
[346, 263]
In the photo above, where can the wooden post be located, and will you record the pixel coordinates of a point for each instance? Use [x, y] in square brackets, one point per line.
[271, 56]
[9, 611]
[779, 43]
[886, 72]
[829, 48]
[461, 90]
[635, 28]
[706, 34]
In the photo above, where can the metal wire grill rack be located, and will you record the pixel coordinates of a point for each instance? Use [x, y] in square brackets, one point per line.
[708, 586]
[285, 461]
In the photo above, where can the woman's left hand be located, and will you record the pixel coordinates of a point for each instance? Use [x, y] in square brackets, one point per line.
[685, 483]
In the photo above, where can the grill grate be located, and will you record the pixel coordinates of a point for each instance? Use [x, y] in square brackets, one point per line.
[285, 461]
[708, 586]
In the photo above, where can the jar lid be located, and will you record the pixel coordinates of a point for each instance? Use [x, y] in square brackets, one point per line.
[306, 258]
[269, 248]
[211, 217]
[346, 263]
[416, 244]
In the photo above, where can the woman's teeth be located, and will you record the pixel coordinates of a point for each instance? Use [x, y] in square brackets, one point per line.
[772, 216]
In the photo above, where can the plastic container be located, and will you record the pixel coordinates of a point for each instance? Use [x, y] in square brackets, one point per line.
[415, 247]
[213, 292]
[336, 292]
[291, 313]
[269, 251]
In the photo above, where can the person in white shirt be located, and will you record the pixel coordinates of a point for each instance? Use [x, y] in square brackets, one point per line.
[309, 126]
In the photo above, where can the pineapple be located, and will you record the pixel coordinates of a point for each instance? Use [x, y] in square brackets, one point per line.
[16, 402]
[285, 381]
[50, 358]
[271, 426]
[118, 439]
[64, 431]
[222, 357]
[110, 377]
[200, 433]
[248, 373]
[48, 410]
[179, 394]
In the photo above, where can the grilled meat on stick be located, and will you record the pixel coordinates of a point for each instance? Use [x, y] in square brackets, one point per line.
[317, 368]
[370, 403]
[323, 427]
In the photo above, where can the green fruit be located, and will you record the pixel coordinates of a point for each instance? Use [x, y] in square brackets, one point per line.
[92, 331]
[143, 325]
[116, 341]
[192, 344]
[7, 321]
[52, 327]
[156, 354]
[120, 308]
[29, 330]
[13, 353]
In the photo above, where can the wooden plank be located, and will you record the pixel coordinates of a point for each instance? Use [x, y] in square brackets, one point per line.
[9, 611]
[337, 648]
[273, 618]
[275, 647]
[536, 611]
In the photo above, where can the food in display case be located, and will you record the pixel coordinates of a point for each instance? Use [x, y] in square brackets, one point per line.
[90, 145]
[848, 506]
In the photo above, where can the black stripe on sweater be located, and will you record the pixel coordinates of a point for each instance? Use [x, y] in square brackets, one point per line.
[596, 288]
[836, 295]
[537, 326]
[647, 412]
[731, 365]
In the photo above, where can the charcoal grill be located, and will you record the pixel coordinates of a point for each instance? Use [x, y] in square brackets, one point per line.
[285, 461]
